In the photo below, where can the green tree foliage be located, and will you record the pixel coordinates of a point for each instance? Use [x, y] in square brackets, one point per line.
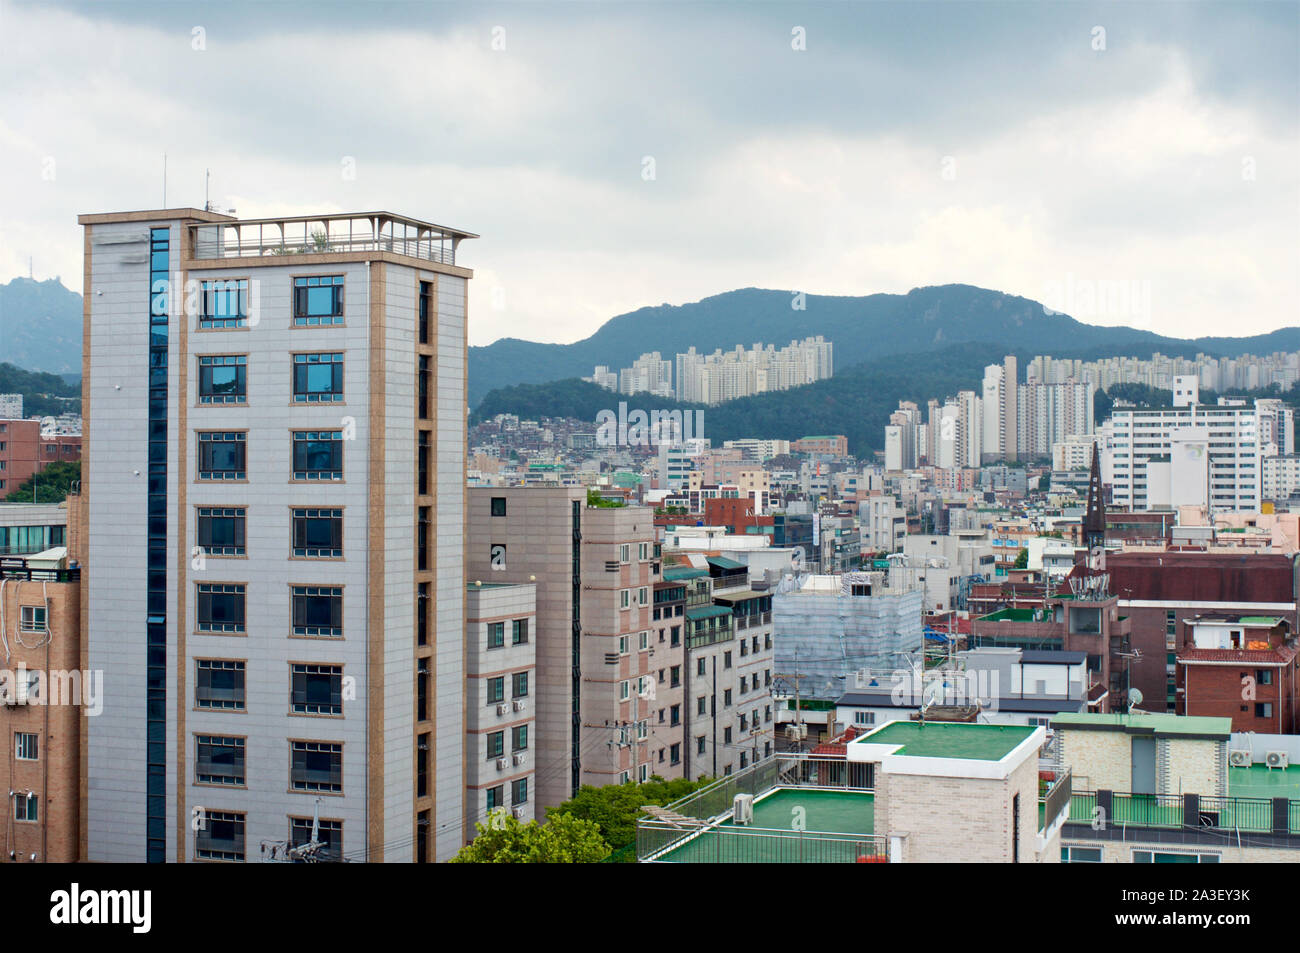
[52, 484]
[43, 394]
[563, 839]
[614, 808]
[1022, 560]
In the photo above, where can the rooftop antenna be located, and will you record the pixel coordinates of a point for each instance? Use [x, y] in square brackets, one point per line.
[207, 202]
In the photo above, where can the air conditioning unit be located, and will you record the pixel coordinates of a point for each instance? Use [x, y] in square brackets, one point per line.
[1276, 759]
[502, 763]
[742, 809]
[1239, 759]
[521, 758]
[520, 706]
[503, 709]
[521, 812]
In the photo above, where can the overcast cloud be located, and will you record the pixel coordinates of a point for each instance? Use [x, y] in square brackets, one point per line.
[907, 145]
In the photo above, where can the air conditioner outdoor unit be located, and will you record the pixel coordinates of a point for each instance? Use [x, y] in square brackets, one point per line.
[503, 709]
[1239, 759]
[521, 812]
[502, 763]
[520, 706]
[742, 809]
[520, 758]
[1276, 759]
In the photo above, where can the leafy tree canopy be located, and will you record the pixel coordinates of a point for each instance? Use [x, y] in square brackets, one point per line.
[52, 484]
[563, 839]
[614, 808]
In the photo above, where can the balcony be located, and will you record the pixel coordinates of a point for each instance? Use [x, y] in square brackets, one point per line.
[348, 233]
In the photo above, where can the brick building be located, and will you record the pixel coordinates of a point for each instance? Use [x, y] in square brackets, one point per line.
[1239, 667]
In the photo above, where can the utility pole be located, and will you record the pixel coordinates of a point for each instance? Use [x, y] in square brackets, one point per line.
[796, 676]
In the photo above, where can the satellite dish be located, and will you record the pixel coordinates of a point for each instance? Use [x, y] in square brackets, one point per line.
[1134, 698]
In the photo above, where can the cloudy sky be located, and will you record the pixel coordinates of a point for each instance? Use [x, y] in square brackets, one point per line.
[619, 155]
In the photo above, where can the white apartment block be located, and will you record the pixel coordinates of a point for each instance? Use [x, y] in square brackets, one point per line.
[713, 378]
[500, 709]
[274, 472]
[1281, 476]
[11, 406]
[1198, 454]
[1050, 413]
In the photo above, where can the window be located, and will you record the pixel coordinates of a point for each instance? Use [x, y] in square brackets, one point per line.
[219, 684]
[496, 690]
[26, 806]
[318, 455]
[643, 551]
[864, 717]
[1264, 676]
[318, 533]
[496, 745]
[726, 660]
[422, 765]
[644, 595]
[496, 635]
[496, 797]
[221, 530]
[224, 304]
[622, 645]
[220, 607]
[316, 689]
[316, 766]
[318, 611]
[218, 759]
[624, 553]
[221, 837]
[329, 835]
[223, 379]
[675, 676]
[422, 467]
[1172, 857]
[422, 538]
[498, 506]
[422, 614]
[702, 705]
[645, 641]
[726, 735]
[426, 309]
[32, 619]
[520, 686]
[221, 456]
[317, 378]
[699, 744]
[519, 632]
[25, 745]
[425, 373]
[675, 754]
[318, 301]
[743, 683]
[675, 715]
[1264, 710]
[701, 666]
[623, 691]
[744, 760]
[519, 791]
[726, 698]
[1080, 855]
[519, 738]
[624, 598]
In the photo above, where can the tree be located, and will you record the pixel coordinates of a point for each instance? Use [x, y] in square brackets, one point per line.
[563, 839]
[52, 484]
[1022, 561]
[614, 808]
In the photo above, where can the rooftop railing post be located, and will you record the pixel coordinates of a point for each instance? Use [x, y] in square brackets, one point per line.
[1281, 815]
[1191, 810]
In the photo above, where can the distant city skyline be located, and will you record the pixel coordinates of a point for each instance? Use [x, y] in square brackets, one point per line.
[1048, 151]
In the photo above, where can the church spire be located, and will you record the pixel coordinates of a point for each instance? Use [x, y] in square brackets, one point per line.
[1094, 523]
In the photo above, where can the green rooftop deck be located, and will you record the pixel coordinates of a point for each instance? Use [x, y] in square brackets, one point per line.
[937, 739]
[837, 827]
[1259, 780]
[1142, 723]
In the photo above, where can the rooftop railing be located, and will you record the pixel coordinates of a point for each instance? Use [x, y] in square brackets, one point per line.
[1114, 809]
[370, 232]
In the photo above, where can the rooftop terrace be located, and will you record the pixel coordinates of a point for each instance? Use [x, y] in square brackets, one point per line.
[919, 739]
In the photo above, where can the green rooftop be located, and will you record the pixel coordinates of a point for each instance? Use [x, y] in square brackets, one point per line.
[1012, 615]
[830, 821]
[705, 612]
[943, 739]
[686, 572]
[1144, 723]
[1259, 780]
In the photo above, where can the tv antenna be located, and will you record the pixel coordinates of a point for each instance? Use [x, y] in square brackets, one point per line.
[207, 202]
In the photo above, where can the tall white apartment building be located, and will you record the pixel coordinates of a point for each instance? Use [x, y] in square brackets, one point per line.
[713, 378]
[274, 471]
[1199, 454]
[1281, 476]
[11, 406]
[1049, 413]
